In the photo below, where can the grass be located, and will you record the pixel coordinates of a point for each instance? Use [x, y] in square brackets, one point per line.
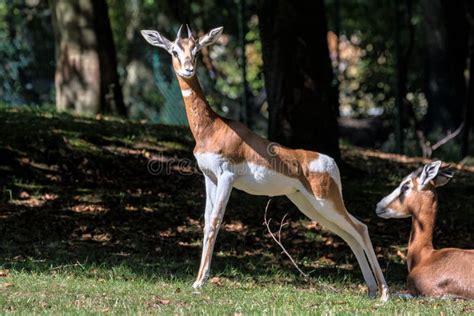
[87, 228]
[84, 288]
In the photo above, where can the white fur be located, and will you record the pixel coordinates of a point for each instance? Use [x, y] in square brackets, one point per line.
[385, 212]
[326, 164]
[389, 198]
[259, 180]
[186, 92]
[249, 177]
[180, 51]
[212, 165]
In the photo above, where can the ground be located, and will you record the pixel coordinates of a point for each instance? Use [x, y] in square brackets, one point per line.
[102, 215]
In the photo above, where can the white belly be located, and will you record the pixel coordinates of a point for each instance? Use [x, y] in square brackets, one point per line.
[249, 177]
[272, 184]
[259, 180]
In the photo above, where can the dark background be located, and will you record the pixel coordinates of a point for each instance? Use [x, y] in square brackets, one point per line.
[392, 75]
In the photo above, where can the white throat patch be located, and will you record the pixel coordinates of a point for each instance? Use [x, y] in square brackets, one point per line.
[186, 92]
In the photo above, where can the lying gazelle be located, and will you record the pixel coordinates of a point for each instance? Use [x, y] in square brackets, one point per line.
[232, 156]
[447, 272]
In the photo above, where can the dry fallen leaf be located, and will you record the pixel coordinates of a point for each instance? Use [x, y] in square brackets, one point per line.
[3, 273]
[217, 281]
[468, 309]
[401, 255]
[5, 285]
[86, 237]
[164, 302]
[24, 195]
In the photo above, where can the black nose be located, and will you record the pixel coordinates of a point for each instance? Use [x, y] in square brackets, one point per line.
[379, 209]
[188, 65]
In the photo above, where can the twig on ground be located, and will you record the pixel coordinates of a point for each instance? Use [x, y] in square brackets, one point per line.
[278, 240]
[64, 266]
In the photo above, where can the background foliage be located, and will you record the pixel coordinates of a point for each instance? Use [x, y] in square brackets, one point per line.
[365, 62]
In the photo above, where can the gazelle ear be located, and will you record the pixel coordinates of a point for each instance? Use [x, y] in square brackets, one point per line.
[211, 37]
[429, 173]
[156, 39]
[444, 176]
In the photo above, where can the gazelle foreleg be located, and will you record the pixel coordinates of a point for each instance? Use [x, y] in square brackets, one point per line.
[212, 225]
[211, 188]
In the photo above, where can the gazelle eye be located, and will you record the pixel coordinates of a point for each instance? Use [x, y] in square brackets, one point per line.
[405, 187]
[175, 53]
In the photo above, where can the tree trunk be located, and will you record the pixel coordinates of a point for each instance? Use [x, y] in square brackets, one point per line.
[86, 67]
[446, 50]
[298, 75]
[469, 109]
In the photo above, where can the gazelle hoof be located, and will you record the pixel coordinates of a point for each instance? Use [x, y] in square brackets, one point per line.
[198, 284]
[385, 295]
[405, 296]
[372, 293]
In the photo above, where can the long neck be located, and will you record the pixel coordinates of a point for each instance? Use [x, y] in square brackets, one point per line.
[200, 115]
[421, 237]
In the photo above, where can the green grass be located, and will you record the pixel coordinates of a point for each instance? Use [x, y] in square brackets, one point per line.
[87, 229]
[88, 289]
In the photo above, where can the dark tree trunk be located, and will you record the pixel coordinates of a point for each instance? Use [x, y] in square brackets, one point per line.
[298, 75]
[401, 72]
[446, 50]
[469, 109]
[86, 67]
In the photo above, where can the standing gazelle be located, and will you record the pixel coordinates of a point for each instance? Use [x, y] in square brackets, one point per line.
[442, 272]
[230, 155]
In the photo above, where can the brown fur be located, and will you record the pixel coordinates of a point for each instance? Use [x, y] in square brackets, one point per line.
[236, 142]
[443, 272]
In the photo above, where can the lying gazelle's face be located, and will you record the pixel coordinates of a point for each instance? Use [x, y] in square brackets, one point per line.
[397, 204]
[413, 191]
[184, 51]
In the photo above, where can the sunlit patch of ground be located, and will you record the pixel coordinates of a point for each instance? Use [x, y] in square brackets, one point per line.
[101, 215]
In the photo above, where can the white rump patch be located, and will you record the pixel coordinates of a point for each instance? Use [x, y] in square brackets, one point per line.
[186, 92]
[326, 164]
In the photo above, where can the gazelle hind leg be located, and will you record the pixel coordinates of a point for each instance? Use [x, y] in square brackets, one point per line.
[366, 243]
[335, 212]
[308, 209]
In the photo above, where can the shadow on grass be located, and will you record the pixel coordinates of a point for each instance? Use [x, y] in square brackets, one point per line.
[78, 192]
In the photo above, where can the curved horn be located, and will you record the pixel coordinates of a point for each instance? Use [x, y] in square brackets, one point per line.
[178, 36]
[190, 33]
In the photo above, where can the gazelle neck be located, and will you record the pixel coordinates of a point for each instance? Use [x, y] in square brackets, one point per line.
[421, 236]
[200, 115]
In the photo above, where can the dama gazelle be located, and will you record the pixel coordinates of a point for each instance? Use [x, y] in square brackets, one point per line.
[443, 272]
[232, 156]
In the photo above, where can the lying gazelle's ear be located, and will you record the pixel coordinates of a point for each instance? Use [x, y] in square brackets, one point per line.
[156, 39]
[444, 176]
[428, 173]
[210, 38]
[434, 172]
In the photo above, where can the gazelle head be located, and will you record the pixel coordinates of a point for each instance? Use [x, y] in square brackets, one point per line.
[183, 50]
[413, 190]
